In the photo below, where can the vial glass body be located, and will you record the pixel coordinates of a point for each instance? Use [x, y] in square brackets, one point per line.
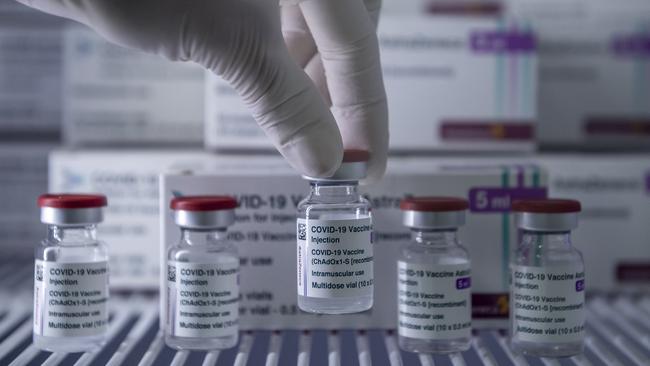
[437, 251]
[203, 278]
[70, 260]
[546, 265]
[336, 206]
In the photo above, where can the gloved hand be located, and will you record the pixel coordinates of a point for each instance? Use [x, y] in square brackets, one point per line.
[241, 41]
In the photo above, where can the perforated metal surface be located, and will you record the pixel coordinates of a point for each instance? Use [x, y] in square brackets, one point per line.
[618, 334]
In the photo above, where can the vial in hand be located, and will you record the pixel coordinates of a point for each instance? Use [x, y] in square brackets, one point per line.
[547, 297]
[71, 275]
[334, 237]
[434, 278]
[203, 276]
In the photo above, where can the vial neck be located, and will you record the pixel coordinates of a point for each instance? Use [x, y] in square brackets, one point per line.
[547, 240]
[334, 189]
[437, 238]
[72, 235]
[207, 237]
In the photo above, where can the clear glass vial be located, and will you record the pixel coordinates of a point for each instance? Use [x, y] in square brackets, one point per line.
[547, 312]
[203, 276]
[334, 237]
[434, 278]
[71, 275]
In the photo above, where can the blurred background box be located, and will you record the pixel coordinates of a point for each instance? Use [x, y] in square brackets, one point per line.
[129, 178]
[268, 192]
[30, 74]
[23, 177]
[614, 229]
[594, 79]
[453, 83]
[115, 96]
[459, 83]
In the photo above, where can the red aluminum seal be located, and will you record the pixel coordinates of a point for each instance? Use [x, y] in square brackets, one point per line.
[72, 201]
[547, 206]
[355, 156]
[203, 203]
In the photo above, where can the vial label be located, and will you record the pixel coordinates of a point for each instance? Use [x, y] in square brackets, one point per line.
[335, 258]
[70, 299]
[203, 298]
[548, 304]
[434, 300]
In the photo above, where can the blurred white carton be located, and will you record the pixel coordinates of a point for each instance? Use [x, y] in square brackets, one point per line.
[613, 231]
[23, 177]
[268, 193]
[129, 178]
[594, 78]
[117, 96]
[453, 83]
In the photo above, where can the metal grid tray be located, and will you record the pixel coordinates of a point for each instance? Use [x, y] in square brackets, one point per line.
[618, 333]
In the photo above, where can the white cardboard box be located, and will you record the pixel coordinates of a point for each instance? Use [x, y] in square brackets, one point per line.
[265, 232]
[613, 232]
[129, 178]
[117, 96]
[23, 177]
[453, 83]
[594, 83]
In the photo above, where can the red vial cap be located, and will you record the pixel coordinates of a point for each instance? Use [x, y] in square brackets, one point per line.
[355, 156]
[434, 204]
[203, 203]
[68, 200]
[547, 206]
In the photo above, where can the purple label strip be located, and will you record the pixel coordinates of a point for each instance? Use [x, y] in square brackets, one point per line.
[635, 45]
[489, 199]
[503, 42]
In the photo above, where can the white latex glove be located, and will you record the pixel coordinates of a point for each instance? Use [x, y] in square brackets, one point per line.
[241, 41]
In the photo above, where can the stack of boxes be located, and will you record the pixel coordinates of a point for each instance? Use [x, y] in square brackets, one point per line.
[471, 95]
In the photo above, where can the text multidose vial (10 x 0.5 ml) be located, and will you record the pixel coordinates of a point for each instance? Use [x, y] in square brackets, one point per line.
[434, 278]
[71, 275]
[203, 276]
[334, 242]
[547, 297]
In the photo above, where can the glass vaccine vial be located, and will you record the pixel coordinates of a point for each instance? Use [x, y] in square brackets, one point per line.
[334, 237]
[547, 297]
[71, 275]
[434, 278]
[203, 276]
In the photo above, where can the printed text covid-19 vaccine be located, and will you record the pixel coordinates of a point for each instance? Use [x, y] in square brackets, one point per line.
[203, 276]
[547, 290]
[434, 308]
[71, 275]
[334, 235]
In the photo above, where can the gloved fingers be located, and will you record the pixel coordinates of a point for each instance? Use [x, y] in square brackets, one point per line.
[297, 36]
[316, 73]
[302, 46]
[373, 7]
[291, 111]
[70, 9]
[345, 36]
